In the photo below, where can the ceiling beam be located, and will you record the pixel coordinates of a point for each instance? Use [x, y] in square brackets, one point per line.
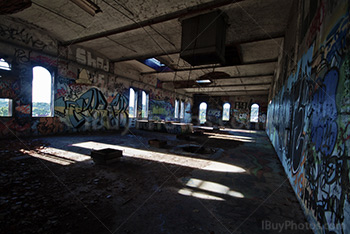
[226, 86]
[267, 75]
[176, 51]
[211, 67]
[198, 90]
[174, 15]
[241, 94]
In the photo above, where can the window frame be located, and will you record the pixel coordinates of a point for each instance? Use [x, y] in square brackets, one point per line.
[251, 114]
[199, 112]
[3, 68]
[10, 107]
[182, 110]
[176, 109]
[144, 113]
[52, 82]
[134, 102]
[223, 111]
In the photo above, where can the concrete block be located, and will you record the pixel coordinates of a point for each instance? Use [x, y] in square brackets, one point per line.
[106, 156]
[157, 143]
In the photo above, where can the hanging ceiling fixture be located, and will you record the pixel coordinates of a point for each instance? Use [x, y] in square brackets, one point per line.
[88, 6]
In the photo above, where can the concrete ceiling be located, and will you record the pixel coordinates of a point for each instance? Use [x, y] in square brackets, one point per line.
[129, 30]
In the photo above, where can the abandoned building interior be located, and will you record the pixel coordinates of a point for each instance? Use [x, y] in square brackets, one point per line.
[174, 116]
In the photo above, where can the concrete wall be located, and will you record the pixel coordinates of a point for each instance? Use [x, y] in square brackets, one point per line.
[308, 118]
[90, 92]
[240, 107]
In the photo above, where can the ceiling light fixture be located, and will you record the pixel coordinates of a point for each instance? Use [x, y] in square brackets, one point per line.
[206, 81]
[88, 6]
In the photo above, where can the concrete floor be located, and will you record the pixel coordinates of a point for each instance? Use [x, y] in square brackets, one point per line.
[235, 185]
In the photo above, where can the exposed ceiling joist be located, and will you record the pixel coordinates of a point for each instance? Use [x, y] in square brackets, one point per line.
[235, 80]
[226, 89]
[174, 15]
[202, 87]
[239, 93]
[127, 32]
[212, 67]
[176, 52]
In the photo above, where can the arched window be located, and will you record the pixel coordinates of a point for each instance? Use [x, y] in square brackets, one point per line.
[132, 103]
[4, 65]
[42, 92]
[145, 100]
[203, 112]
[226, 112]
[176, 111]
[254, 113]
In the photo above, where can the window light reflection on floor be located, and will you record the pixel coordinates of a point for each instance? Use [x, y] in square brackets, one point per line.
[196, 163]
[230, 137]
[212, 187]
[190, 192]
[59, 156]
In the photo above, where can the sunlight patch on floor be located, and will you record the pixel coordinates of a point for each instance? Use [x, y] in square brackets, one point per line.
[213, 187]
[196, 163]
[190, 192]
[229, 137]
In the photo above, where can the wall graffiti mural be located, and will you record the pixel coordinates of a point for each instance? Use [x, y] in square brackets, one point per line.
[88, 95]
[308, 123]
[92, 110]
[120, 109]
[47, 126]
[187, 117]
[323, 123]
[214, 113]
[22, 35]
[161, 110]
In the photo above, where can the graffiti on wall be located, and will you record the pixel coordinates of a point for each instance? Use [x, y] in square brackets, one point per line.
[308, 124]
[161, 110]
[92, 110]
[85, 97]
[214, 113]
[16, 33]
[47, 126]
[86, 58]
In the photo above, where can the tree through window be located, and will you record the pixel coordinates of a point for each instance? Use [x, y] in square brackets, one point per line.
[203, 112]
[5, 107]
[132, 103]
[176, 111]
[254, 113]
[182, 110]
[226, 112]
[145, 100]
[42, 93]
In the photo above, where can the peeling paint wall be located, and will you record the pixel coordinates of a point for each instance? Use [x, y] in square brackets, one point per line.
[90, 92]
[309, 116]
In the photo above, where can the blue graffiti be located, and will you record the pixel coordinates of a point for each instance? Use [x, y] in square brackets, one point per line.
[323, 124]
[81, 108]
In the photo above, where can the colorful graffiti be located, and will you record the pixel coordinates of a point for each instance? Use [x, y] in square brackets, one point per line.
[161, 110]
[89, 97]
[92, 110]
[47, 126]
[308, 124]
